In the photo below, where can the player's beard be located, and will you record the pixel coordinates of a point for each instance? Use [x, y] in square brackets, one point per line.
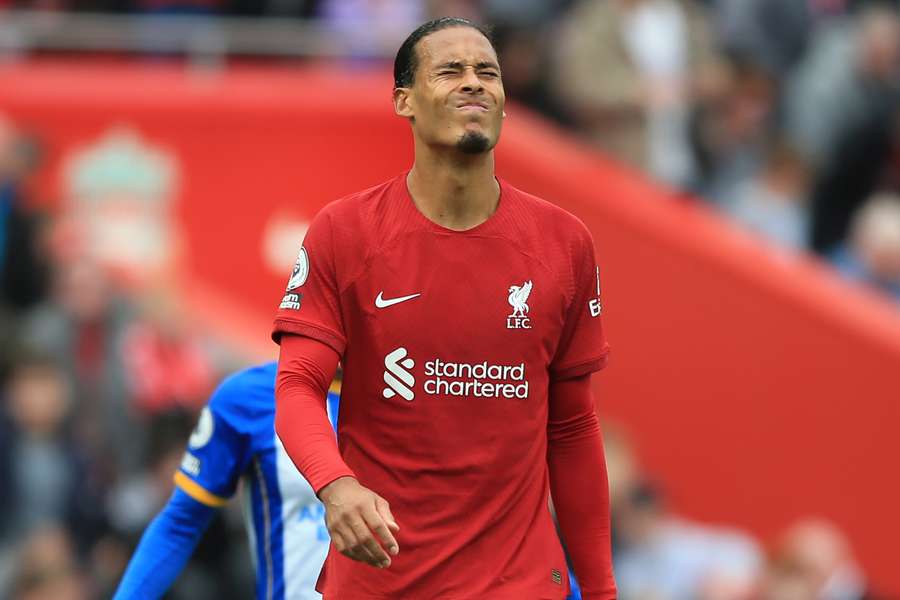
[473, 142]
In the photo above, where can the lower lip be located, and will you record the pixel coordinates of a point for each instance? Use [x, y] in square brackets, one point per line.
[473, 108]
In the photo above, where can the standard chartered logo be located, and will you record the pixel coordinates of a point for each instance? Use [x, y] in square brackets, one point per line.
[397, 376]
[480, 380]
[446, 378]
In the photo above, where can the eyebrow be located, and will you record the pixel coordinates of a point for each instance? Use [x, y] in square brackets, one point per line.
[458, 65]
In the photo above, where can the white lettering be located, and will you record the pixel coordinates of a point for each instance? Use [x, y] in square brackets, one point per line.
[477, 380]
[518, 323]
[190, 464]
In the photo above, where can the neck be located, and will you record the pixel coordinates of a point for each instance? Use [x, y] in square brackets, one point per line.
[457, 191]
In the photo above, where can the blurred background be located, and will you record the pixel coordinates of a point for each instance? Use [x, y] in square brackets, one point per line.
[738, 162]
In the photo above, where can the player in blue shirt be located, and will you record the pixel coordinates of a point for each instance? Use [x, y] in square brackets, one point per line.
[235, 439]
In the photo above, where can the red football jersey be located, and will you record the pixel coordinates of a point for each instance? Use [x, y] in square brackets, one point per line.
[448, 342]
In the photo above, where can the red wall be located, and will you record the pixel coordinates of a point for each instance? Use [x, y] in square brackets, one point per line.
[757, 386]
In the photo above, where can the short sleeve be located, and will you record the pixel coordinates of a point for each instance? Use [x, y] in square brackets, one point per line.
[217, 454]
[582, 348]
[311, 302]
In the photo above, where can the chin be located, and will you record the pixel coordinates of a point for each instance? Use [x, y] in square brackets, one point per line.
[474, 142]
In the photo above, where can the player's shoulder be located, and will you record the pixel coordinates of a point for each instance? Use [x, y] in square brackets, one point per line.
[548, 220]
[355, 208]
[362, 223]
[246, 397]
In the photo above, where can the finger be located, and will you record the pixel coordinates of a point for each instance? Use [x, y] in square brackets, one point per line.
[338, 540]
[349, 545]
[358, 556]
[384, 509]
[380, 558]
[378, 524]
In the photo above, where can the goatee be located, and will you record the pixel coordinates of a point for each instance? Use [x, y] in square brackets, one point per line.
[473, 142]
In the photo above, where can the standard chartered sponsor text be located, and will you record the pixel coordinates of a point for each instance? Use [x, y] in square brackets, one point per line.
[480, 380]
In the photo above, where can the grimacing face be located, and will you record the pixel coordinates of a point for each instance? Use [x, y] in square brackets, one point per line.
[457, 97]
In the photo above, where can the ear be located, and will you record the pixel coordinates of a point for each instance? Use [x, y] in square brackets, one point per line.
[403, 103]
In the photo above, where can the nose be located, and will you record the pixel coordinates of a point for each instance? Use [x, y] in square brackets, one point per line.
[471, 84]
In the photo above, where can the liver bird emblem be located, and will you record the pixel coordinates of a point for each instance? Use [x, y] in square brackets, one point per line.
[518, 298]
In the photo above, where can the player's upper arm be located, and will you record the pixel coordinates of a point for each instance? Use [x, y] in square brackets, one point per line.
[311, 303]
[582, 347]
[219, 447]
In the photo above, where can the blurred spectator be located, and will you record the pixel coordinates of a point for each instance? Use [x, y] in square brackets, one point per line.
[665, 558]
[773, 203]
[274, 8]
[83, 327]
[141, 494]
[848, 76]
[23, 271]
[861, 164]
[773, 32]
[661, 557]
[813, 561]
[730, 127]
[467, 9]
[48, 569]
[627, 71]
[522, 53]
[521, 14]
[45, 476]
[179, 7]
[871, 255]
[371, 25]
[36, 457]
[852, 78]
[168, 367]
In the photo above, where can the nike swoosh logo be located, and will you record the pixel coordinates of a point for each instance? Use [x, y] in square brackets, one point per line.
[380, 302]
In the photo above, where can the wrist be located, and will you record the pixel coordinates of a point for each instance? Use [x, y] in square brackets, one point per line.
[336, 486]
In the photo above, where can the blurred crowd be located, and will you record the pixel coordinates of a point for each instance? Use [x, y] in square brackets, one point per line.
[100, 385]
[781, 114]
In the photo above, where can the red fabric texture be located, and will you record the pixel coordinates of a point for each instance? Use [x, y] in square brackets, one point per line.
[579, 485]
[305, 370]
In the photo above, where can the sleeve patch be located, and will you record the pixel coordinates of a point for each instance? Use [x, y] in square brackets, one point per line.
[203, 432]
[190, 464]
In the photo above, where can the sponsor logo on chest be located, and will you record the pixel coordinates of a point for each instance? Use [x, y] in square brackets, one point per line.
[448, 378]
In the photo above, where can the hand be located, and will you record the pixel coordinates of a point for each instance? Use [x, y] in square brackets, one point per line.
[360, 522]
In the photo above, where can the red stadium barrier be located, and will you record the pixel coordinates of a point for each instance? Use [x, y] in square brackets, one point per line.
[758, 386]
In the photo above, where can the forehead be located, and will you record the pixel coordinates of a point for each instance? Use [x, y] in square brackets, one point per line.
[455, 44]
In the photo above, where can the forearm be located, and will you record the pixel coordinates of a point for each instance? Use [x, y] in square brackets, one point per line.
[165, 548]
[579, 486]
[305, 370]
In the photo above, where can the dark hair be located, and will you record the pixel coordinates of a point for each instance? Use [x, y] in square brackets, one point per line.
[407, 60]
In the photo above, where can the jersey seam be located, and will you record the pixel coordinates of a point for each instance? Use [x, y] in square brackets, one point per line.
[598, 358]
[332, 335]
